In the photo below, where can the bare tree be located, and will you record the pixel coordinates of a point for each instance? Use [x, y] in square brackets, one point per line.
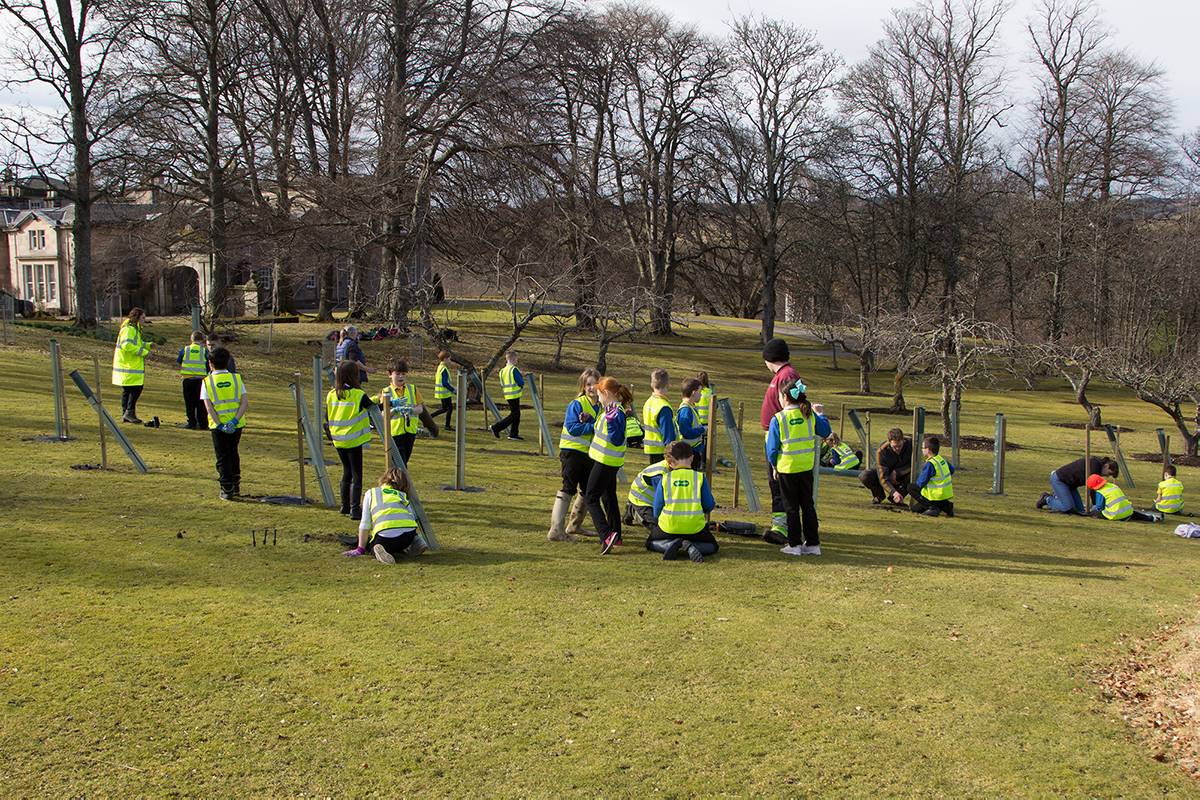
[66, 47]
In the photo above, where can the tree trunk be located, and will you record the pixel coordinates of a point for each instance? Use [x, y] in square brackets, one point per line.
[325, 292]
[898, 406]
[864, 371]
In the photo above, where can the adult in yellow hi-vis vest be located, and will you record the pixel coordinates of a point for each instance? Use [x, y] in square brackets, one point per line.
[346, 410]
[129, 363]
[933, 491]
[513, 385]
[224, 396]
[193, 366]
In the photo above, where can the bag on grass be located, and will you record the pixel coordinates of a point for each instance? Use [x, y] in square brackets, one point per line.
[1188, 530]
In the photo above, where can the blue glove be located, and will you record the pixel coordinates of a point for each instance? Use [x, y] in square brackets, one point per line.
[229, 427]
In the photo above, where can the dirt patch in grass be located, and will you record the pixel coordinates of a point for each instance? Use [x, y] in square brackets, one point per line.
[1156, 458]
[985, 444]
[1079, 426]
[862, 394]
[1156, 691]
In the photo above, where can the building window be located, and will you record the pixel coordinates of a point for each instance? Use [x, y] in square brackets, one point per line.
[263, 278]
[37, 240]
[41, 283]
[311, 283]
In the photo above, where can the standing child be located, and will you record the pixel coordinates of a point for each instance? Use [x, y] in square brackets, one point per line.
[608, 454]
[404, 420]
[346, 410]
[224, 397]
[388, 525]
[934, 490]
[1170, 492]
[792, 451]
[443, 390]
[682, 504]
[691, 430]
[514, 385]
[659, 419]
[192, 369]
[579, 422]
[212, 344]
[706, 394]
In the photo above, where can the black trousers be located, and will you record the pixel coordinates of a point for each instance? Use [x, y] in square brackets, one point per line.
[197, 414]
[447, 409]
[129, 398]
[513, 419]
[576, 468]
[351, 476]
[796, 492]
[229, 462]
[921, 503]
[870, 479]
[601, 499]
[404, 443]
[396, 545]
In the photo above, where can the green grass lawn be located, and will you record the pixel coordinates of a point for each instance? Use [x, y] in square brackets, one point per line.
[147, 648]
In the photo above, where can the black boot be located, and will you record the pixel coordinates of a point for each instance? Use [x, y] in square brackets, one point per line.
[345, 499]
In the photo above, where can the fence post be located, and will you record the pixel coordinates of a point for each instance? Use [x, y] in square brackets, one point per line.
[998, 456]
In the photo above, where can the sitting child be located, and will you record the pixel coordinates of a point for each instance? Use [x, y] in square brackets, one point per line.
[1170, 492]
[388, 523]
[1111, 502]
[932, 493]
[840, 454]
[682, 504]
[640, 505]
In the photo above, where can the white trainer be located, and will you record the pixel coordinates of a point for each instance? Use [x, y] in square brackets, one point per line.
[792, 550]
[815, 550]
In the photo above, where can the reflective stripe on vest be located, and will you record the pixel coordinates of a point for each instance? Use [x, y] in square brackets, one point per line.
[567, 441]
[224, 391]
[702, 409]
[129, 357]
[602, 449]
[798, 441]
[653, 443]
[400, 423]
[682, 512]
[389, 510]
[641, 491]
[347, 421]
[508, 382]
[440, 392]
[939, 486]
[192, 365]
[1116, 504]
[848, 460]
[1172, 496]
[696, 415]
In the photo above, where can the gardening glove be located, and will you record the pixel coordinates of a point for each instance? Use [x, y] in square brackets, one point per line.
[230, 427]
[586, 418]
[358, 551]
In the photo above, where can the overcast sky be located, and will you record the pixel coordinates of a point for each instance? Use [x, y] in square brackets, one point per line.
[1165, 31]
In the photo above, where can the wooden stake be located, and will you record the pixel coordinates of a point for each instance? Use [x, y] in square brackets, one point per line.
[1087, 463]
[737, 476]
[100, 407]
[710, 440]
[300, 442]
[842, 423]
[386, 396]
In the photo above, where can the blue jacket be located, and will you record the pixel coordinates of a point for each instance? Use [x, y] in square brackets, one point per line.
[689, 426]
[572, 423]
[927, 473]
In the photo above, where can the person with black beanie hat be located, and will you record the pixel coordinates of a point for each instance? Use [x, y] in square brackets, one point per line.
[776, 355]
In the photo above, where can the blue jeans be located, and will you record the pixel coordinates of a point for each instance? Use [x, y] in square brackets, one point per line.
[1065, 499]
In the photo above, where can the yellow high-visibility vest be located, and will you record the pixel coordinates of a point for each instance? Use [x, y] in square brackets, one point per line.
[129, 357]
[348, 424]
[192, 365]
[682, 511]
[390, 510]
[224, 391]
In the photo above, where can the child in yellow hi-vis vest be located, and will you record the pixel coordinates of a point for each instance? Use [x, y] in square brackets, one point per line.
[224, 397]
[1111, 502]
[682, 504]
[1170, 492]
[792, 451]
[933, 492]
[388, 524]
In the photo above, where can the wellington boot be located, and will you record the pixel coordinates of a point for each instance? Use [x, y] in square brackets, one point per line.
[578, 515]
[558, 517]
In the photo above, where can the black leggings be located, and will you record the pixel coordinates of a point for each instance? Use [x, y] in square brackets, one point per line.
[396, 545]
[796, 492]
[351, 475]
[601, 499]
[576, 468]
